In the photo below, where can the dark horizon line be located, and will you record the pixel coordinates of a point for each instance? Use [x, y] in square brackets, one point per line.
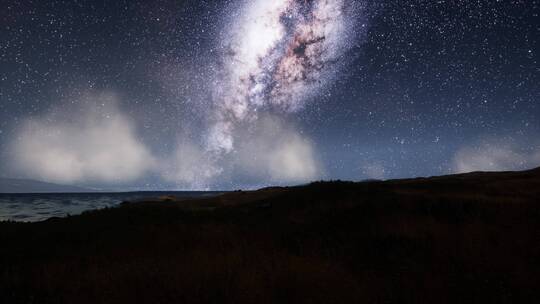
[108, 191]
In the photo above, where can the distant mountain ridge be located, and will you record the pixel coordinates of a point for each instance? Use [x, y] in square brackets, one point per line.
[13, 185]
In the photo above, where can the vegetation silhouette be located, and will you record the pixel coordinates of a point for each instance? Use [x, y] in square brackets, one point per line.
[469, 238]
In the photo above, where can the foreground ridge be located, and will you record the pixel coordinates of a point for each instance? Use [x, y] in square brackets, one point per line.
[452, 239]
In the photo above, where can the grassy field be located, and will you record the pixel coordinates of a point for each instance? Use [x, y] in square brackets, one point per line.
[472, 238]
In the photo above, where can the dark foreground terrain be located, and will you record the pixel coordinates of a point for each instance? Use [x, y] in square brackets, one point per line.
[471, 238]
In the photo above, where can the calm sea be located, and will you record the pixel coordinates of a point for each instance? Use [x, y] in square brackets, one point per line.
[38, 207]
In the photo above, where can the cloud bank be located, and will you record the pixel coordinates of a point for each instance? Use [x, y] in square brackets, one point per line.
[189, 167]
[95, 144]
[267, 151]
[272, 150]
[495, 156]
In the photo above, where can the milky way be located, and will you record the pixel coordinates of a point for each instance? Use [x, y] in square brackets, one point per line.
[278, 54]
[229, 94]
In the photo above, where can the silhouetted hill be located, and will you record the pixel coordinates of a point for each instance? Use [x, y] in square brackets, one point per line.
[12, 185]
[468, 238]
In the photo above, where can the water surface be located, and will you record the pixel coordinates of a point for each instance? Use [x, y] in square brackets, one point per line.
[32, 207]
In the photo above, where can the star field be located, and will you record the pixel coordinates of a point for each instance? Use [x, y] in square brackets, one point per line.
[426, 88]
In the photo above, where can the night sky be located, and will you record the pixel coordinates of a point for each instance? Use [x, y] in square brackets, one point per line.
[241, 94]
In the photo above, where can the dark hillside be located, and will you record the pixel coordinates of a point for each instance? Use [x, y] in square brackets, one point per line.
[471, 238]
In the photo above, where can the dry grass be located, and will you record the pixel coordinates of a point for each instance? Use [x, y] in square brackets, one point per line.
[458, 239]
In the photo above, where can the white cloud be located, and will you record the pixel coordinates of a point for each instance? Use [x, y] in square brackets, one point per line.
[190, 167]
[272, 150]
[266, 151]
[92, 144]
[495, 156]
